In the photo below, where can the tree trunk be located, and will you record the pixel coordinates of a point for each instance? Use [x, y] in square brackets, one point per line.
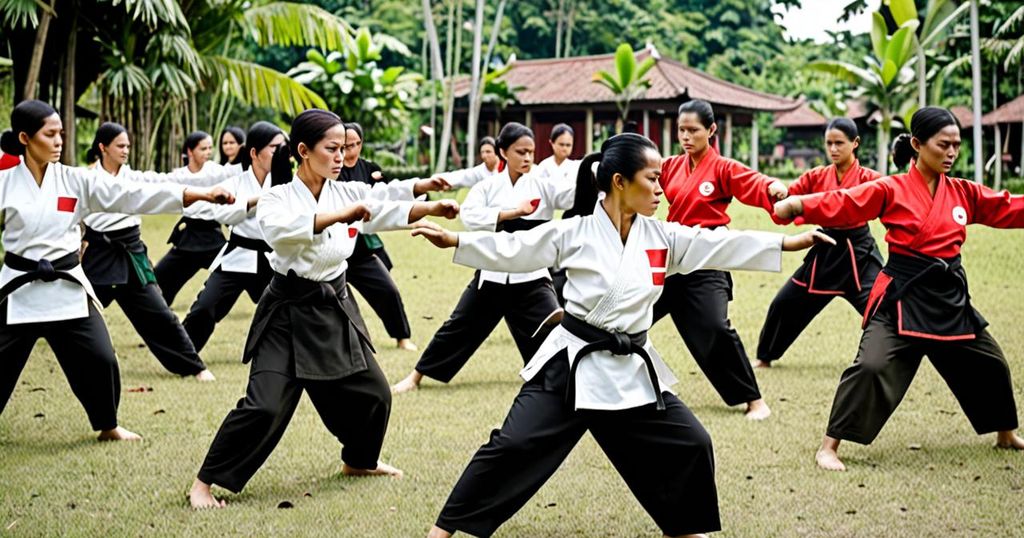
[567, 49]
[474, 87]
[922, 76]
[976, 93]
[448, 108]
[560, 17]
[998, 146]
[70, 154]
[36, 63]
[883, 143]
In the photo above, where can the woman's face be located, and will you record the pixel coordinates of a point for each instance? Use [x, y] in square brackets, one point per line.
[46, 144]
[263, 158]
[519, 155]
[840, 147]
[115, 154]
[229, 146]
[353, 147]
[488, 156]
[201, 153]
[325, 158]
[562, 146]
[940, 151]
[693, 136]
[642, 193]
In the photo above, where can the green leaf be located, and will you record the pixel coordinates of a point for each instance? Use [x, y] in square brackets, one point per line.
[19, 13]
[645, 66]
[932, 35]
[261, 86]
[879, 35]
[391, 75]
[901, 46]
[889, 72]
[625, 64]
[155, 13]
[902, 10]
[363, 45]
[290, 24]
[608, 81]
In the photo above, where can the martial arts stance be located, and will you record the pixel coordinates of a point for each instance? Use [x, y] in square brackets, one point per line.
[515, 199]
[44, 292]
[847, 270]
[699, 185]
[195, 241]
[369, 265]
[490, 164]
[117, 264]
[920, 304]
[242, 265]
[307, 334]
[597, 371]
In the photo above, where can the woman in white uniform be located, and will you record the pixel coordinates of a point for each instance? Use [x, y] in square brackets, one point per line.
[117, 264]
[44, 292]
[307, 334]
[515, 199]
[559, 166]
[597, 371]
[490, 164]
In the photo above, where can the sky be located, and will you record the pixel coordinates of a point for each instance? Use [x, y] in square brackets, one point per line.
[817, 16]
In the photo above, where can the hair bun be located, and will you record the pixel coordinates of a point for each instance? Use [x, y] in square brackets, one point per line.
[10, 144]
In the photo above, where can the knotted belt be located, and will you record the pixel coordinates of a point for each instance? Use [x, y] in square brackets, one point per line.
[248, 243]
[617, 343]
[43, 269]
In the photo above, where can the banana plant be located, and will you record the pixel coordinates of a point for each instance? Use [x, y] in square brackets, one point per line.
[939, 16]
[885, 80]
[627, 82]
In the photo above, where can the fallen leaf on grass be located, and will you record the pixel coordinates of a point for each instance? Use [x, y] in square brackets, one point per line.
[159, 412]
[38, 389]
[39, 415]
[140, 388]
[914, 446]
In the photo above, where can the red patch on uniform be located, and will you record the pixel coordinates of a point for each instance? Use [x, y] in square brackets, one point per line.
[657, 257]
[658, 279]
[535, 202]
[66, 204]
[501, 166]
[352, 232]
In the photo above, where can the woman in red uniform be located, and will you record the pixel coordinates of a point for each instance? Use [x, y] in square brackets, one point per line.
[920, 303]
[846, 270]
[699, 185]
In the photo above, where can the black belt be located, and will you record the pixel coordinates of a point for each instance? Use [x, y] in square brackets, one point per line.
[238, 241]
[125, 238]
[44, 270]
[519, 224]
[601, 340]
[908, 270]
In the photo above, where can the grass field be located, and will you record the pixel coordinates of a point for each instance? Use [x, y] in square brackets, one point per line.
[928, 474]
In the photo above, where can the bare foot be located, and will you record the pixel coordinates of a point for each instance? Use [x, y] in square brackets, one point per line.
[118, 434]
[757, 410]
[1010, 440]
[382, 469]
[406, 345]
[438, 532]
[201, 498]
[205, 375]
[827, 456]
[761, 364]
[409, 384]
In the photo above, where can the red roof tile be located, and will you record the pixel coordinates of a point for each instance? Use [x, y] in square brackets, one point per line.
[964, 115]
[570, 81]
[802, 116]
[1012, 112]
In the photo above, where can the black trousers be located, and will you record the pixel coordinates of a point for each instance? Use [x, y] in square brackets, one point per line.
[793, 309]
[699, 305]
[355, 409]
[558, 280]
[218, 296]
[156, 324]
[84, 352]
[873, 386]
[370, 277]
[523, 306]
[177, 267]
[665, 457]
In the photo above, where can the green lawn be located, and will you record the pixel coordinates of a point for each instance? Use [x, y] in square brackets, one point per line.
[928, 474]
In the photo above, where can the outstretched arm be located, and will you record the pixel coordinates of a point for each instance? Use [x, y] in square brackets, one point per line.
[519, 252]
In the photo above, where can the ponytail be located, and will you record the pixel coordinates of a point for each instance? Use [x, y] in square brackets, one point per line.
[902, 151]
[281, 166]
[586, 187]
[106, 134]
[924, 124]
[623, 154]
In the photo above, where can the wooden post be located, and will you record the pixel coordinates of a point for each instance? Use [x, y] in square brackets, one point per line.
[666, 136]
[529, 118]
[647, 123]
[979, 162]
[753, 142]
[590, 130]
[727, 137]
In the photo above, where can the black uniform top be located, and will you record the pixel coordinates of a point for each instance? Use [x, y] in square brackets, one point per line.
[362, 172]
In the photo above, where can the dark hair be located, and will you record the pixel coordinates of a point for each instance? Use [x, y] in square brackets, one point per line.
[485, 141]
[353, 126]
[845, 126]
[510, 133]
[925, 123]
[561, 129]
[28, 117]
[104, 135]
[191, 141]
[260, 135]
[620, 154]
[307, 128]
[239, 137]
[701, 108]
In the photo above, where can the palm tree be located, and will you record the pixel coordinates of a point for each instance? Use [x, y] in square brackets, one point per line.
[627, 82]
[939, 16]
[887, 79]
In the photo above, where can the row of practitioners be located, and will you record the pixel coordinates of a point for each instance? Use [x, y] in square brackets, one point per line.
[610, 303]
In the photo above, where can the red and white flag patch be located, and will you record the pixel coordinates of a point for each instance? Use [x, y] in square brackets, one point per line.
[352, 232]
[658, 258]
[66, 204]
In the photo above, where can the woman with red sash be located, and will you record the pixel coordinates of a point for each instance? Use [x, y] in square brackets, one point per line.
[920, 304]
[699, 185]
[846, 270]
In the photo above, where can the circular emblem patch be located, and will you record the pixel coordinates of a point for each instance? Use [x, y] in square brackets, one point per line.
[960, 216]
[706, 188]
